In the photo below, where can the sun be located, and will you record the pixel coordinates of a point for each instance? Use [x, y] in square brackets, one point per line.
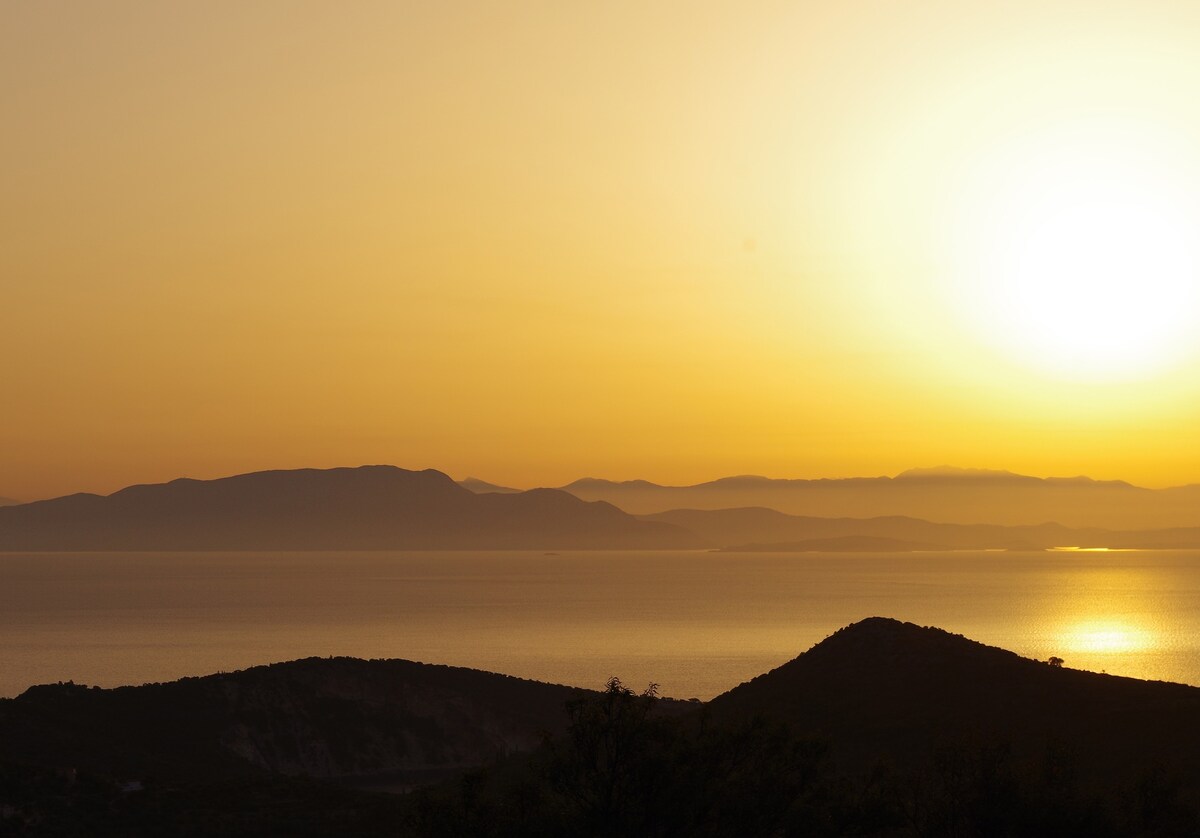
[1081, 258]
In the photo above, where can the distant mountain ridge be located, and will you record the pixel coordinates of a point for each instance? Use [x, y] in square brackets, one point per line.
[956, 475]
[766, 530]
[385, 507]
[769, 529]
[370, 507]
[952, 495]
[9, 502]
[838, 544]
[482, 486]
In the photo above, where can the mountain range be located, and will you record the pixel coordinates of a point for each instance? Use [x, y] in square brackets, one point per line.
[384, 507]
[758, 529]
[963, 496]
[371, 507]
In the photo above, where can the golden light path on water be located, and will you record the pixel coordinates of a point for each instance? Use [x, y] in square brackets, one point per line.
[698, 623]
[1106, 622]
[1107, 636]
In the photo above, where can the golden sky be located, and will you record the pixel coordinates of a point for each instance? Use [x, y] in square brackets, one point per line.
[535, 241]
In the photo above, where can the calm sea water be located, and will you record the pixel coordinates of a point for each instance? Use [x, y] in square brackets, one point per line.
[697, 623]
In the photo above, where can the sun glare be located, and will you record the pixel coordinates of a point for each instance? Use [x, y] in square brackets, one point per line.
[1106, 637]
[1082, 259]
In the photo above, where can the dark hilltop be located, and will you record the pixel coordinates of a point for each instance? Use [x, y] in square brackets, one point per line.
[885, 728]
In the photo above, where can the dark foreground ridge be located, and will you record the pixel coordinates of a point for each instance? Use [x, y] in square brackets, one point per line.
[883, 688]
[318, 717]
[366, 508]
[885, 728]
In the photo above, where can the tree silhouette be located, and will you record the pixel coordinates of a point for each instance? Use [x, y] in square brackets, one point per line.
[609, 763]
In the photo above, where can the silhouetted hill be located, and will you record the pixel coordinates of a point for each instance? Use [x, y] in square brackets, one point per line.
[882, 689]
[372, 507]
[482, 486]
[954, 476]
[334, 717]
[384, 507]
[883, 729]
[585, 484]
[765, 530]
[771, 530]
[839, 544]
[965, 496]
[8, 502]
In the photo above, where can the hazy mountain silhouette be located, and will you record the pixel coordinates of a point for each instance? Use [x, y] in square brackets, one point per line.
[757, 529]
[8, 502]
[372, 507]
[965, 496]
[1177, 538]
[839, 544]
[482, 486]
[768, 529]
[883, 689]
[384, 507]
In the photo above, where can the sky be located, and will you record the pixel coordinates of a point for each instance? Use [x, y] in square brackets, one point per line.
[533, 241]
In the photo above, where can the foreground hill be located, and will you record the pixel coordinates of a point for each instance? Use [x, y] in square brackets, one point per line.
[962, 496]
[372, 507]
[883, 729]
[334, 717]
[885, 690]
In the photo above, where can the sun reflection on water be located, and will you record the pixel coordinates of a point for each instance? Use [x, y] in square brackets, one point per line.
[1106, 636]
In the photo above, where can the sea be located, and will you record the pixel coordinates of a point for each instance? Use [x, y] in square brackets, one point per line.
[694, 623]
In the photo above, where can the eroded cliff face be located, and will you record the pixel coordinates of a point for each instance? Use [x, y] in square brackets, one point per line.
[337, 717]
